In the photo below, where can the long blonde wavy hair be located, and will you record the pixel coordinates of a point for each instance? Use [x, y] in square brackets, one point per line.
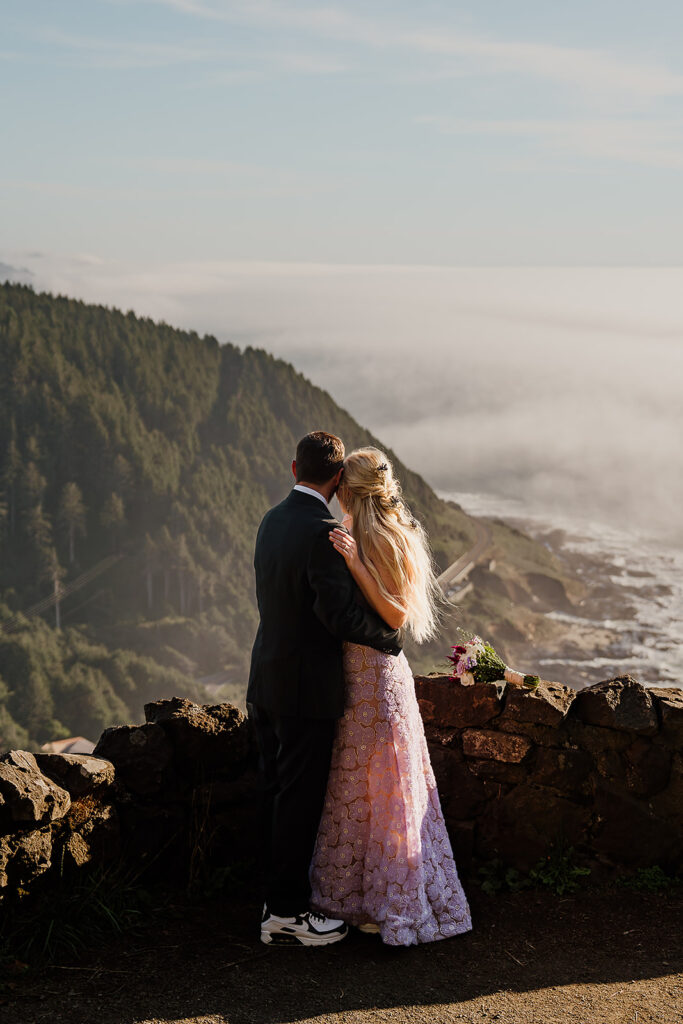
[391, 543]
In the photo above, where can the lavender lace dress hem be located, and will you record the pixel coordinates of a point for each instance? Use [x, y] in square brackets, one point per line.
[383, 854]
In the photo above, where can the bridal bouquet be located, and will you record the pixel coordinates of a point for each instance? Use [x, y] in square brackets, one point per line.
[475, 661]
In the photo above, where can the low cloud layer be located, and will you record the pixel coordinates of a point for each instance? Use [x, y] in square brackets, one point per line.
[561, 387]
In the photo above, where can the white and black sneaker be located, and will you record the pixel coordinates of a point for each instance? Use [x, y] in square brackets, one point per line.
[307, 929]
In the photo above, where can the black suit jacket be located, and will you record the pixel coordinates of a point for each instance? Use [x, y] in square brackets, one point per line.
[309, 604]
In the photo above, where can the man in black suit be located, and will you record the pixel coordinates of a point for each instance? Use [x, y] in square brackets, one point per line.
[309, 605]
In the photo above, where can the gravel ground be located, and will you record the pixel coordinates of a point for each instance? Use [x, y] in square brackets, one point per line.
[607, 955]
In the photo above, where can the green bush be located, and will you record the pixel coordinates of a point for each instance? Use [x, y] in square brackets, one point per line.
[649, 879]
[556, 871]
[72, 916]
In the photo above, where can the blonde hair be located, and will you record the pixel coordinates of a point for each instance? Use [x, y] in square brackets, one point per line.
[391, 543]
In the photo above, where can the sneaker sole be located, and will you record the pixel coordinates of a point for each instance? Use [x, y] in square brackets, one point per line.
[280, 939]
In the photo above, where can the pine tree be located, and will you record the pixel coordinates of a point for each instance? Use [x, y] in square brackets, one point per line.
[184, 566]
[32, 486]
[56, 573]
[38, 532]
[71, 515]
[113, 518]
[151, 565]
[3, 528]
[10, 481]
[167, 558]
[123, 477]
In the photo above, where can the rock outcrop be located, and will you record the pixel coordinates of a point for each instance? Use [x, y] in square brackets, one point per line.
[518, 771]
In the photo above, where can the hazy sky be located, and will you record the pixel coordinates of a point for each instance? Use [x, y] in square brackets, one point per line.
[532, 132]
[315, 178]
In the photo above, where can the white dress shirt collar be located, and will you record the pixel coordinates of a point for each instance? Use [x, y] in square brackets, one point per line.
[309, 490]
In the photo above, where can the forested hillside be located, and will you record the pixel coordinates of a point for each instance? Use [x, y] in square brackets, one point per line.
[136, 461]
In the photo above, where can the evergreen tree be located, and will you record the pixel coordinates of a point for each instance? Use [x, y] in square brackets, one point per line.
[167, 559]
[71, 515]
[10, 481]
[151, 566]
[123, 477]
[40, 546]
[184, 566]
[33, 485]
[113, 518]
[55, 573]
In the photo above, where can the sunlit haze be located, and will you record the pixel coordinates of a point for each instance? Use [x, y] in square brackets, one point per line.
[560, 387]
[462, 220]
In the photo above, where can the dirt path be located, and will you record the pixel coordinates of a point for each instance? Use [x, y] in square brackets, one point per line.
[602, 957]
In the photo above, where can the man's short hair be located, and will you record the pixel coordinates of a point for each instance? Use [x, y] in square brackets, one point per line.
[319, 456]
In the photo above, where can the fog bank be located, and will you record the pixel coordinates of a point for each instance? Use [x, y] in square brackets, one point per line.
[560, 387]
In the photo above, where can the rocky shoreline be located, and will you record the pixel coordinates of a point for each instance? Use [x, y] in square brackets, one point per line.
[587, 640]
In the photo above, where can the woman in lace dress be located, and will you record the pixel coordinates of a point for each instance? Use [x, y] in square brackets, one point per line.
[383, 860]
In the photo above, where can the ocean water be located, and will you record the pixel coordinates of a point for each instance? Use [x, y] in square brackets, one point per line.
[651, 643]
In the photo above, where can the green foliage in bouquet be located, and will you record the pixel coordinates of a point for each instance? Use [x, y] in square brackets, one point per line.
[477, 658]
[489, 667]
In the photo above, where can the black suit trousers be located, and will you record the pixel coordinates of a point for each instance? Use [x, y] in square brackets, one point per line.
[295, 756]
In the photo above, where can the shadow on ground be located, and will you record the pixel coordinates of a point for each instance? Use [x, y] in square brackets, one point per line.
[206, 964]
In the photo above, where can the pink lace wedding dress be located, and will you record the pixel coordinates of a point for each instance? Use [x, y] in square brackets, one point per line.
[383, 854]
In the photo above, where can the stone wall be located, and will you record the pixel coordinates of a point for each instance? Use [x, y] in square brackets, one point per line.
[172, 795]
[600, 769]
[518, 771]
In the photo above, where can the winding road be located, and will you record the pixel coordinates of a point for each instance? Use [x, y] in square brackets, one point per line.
[459, 569]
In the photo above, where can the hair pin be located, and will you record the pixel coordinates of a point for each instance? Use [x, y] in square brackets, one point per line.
[383, 468]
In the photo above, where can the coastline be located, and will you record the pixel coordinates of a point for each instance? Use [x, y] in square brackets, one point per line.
[629, 620]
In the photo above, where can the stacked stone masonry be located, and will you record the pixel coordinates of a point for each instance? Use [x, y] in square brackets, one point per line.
[519, 772]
